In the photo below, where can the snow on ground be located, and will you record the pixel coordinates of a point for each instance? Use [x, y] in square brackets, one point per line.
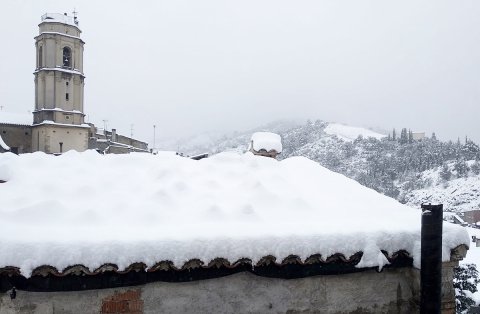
[16, 118]
[460, 194]
[473, 257]
[91, 209]
[267, 141]
[350, 133]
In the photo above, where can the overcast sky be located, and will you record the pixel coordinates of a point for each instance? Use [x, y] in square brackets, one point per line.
[194, 66]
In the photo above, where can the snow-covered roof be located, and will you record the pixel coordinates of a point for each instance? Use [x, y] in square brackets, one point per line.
[141, 208]
[3, 144]
[15, 118]
[267, 141]
[350, 133]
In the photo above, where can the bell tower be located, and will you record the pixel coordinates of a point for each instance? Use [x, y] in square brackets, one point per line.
[58, 118]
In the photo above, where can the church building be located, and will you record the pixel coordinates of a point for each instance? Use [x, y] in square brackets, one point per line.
[58, 115]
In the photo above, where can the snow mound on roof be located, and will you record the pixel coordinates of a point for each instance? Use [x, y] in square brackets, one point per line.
[92, 209]
[15, 118]
[350, 133]
[267, 141]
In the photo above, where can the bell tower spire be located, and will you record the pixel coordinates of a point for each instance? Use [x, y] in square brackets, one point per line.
[58, 118]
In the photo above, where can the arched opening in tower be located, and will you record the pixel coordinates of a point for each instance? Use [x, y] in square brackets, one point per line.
[67, 57]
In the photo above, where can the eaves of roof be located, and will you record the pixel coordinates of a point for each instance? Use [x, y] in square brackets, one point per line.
[79, 277]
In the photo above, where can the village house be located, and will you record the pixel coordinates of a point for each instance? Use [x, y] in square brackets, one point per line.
[232, 233]
[58, 115]
[472, 216]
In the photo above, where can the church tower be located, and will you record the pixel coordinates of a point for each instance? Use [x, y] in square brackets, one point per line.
[58, 118]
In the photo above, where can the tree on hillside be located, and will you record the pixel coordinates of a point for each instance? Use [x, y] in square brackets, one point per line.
[461, 168]
[475, 167]
[445, 173]
[394, 135]
[434, 137]
[403, 136]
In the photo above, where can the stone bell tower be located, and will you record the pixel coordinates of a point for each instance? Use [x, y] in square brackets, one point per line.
[58, 118]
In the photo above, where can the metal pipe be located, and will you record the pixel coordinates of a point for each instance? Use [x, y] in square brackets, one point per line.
[431, 259]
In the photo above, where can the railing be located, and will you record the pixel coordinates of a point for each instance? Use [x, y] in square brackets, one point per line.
[62, 18]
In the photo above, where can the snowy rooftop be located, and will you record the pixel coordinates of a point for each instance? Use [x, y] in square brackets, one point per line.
[16, 118]
[350, 133]
[122, 209]
[267, 141]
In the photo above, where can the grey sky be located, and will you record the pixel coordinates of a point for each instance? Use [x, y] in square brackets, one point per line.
[193, 66]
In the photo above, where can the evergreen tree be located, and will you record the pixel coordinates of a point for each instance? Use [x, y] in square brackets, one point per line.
[475, 167]
[403, 136]
[445, 173]
[394, 135]
[465, 278]
[410, 136]
[434, 137]
[461, 168]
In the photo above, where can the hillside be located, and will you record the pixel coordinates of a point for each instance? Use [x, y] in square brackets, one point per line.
[457, 194]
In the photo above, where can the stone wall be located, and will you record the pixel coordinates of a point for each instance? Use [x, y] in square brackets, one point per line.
[17, 137]
[390, 291]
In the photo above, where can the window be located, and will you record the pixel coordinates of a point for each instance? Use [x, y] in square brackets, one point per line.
[66, 83]
[40, 56]
[67, 57]
[66, 96]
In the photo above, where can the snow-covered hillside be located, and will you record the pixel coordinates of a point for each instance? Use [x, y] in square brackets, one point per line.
[350, 133]
[456, 194]
[238, 141]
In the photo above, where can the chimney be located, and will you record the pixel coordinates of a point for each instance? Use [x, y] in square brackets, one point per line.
[113, 138]
[265, 144]
[431, 259]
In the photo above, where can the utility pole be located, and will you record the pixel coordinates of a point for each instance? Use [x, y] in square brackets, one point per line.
[154, 126]
[105, 128]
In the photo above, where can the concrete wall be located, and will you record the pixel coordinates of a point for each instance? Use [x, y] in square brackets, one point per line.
[391, 291]
[17, 136]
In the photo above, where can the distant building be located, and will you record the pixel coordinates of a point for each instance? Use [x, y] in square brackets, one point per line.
[418, 136]
[58, 116]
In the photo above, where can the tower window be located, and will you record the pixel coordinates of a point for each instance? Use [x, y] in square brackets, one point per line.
[67, 57]
[66, 96]
[40, 56]
[66, 83]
